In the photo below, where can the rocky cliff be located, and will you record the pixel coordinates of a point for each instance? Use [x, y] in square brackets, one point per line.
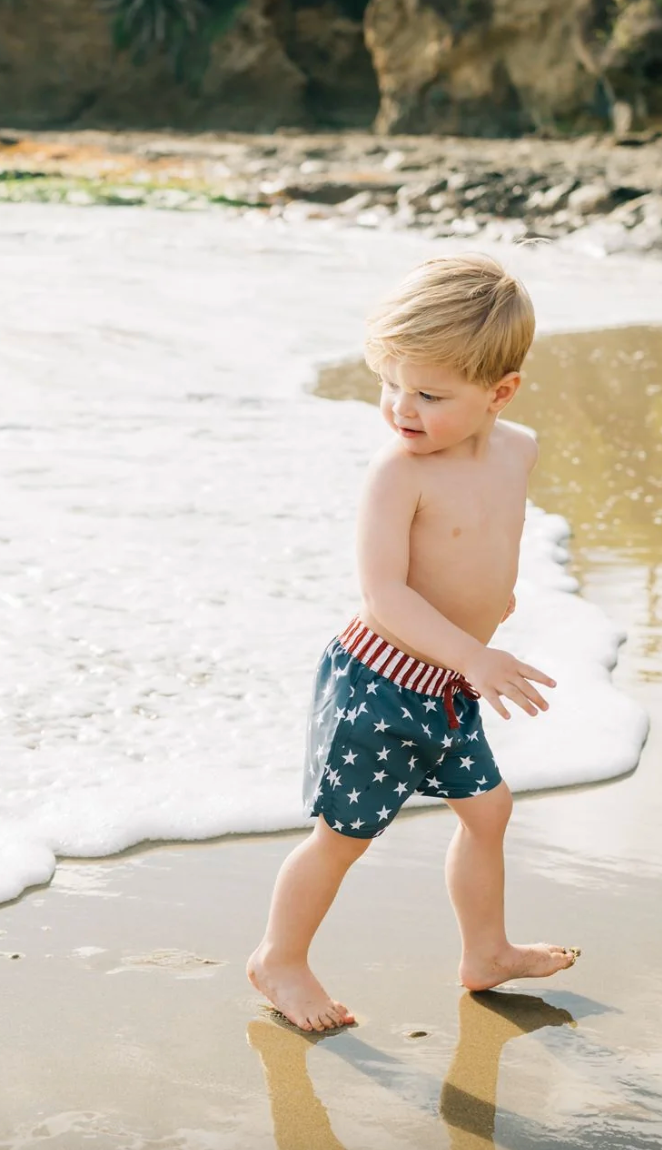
[467, 67]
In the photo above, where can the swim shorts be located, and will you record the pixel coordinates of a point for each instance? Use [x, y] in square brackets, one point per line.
[383, 726]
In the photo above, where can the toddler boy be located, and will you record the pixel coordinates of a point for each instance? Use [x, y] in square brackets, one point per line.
[395, 707]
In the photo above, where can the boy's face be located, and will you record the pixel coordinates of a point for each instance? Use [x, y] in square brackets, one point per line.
[433, 408]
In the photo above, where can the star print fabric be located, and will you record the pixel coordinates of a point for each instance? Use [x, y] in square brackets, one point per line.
[372, 743]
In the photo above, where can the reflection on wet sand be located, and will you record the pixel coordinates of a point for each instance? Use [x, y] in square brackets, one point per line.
[468, 1095]
[487, 1022]
[299, 1119]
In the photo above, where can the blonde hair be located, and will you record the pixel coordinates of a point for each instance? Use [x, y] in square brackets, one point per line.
[465, 312]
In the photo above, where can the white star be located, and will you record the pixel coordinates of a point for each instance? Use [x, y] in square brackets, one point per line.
[319, 752]
[405, 713]
[383, 754]
[473, 737]
[371, 689]
[327, 690]
[412, 763]
[401, 788]
[338, 672]
[427, 730]
[317, 792]
[357, 825]
[353, 796]
[311, 769]
[467, 763]
[430, 705]
[320, 719]
[352, 692]
[340, 714]
[350, 717]
[362, 709]
[481, 782]
[337, 826]
[349, 758]
[444, 793]
[379, 776]
[478, 792]
[441, 758]
[381, 725]
[383, 814]
[334, 778]
[407, 743]
[447, 741]
[434, 782]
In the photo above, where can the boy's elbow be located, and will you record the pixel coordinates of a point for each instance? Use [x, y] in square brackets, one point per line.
[379, 598]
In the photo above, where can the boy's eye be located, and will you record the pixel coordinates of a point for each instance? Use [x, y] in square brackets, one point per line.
[430, 398]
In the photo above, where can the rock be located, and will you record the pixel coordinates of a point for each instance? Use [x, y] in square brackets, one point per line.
[393, 161]
[355, 204]
[328, 47]
[589, 199]
[60, 65]
[549, 199]
[503, 69]
[373, 217]
[633, 228]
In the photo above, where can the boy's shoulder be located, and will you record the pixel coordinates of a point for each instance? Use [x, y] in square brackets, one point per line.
[392, 460]
[520, 438]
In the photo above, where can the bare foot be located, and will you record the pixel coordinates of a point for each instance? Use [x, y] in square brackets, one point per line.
[297, 994]
[537, 961]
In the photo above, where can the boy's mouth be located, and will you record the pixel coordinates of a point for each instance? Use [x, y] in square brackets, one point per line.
[408, 432]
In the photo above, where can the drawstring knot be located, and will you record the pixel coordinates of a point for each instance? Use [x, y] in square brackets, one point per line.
[449, 691]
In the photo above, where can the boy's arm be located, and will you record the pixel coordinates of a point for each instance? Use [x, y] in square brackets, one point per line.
[389, 503]
[388, 506]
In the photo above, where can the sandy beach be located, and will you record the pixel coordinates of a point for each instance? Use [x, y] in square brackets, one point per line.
[128, 1022]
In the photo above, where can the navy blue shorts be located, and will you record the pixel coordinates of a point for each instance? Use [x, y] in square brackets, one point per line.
[384, 726]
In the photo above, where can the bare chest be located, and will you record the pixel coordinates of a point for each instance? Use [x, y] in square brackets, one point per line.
[470, 526]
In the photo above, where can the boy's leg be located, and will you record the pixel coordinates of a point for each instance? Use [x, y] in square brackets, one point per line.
[306, 886]
[475, 879]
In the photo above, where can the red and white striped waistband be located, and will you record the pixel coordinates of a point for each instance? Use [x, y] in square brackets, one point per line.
[387, 660]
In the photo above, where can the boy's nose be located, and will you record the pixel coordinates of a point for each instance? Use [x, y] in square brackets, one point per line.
[403, 404]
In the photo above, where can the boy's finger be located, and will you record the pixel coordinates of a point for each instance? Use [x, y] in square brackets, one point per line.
[520, 698]
[535, 674]
[525, 687]
[494, 701]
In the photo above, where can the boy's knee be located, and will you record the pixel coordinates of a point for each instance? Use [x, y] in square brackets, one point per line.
[487, 815]
[346, 847]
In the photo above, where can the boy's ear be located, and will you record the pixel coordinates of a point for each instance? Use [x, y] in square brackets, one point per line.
[504, 390]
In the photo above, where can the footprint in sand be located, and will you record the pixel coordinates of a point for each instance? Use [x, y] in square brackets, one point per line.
[181, 963]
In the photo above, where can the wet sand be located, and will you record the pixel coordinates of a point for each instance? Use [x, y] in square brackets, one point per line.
[115, 1035]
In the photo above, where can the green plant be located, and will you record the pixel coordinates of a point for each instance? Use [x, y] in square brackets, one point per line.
[181, 27]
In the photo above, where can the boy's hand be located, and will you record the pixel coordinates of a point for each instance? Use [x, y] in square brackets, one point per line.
[512, 603]
[494, 673]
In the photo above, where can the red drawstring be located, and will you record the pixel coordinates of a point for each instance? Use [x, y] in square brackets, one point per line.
[449, 690]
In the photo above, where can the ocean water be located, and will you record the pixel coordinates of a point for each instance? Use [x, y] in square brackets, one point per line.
[176, 532]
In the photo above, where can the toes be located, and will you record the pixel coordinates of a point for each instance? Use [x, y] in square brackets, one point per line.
[345, 1014]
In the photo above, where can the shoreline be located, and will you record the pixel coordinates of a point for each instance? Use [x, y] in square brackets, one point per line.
[595, 193]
